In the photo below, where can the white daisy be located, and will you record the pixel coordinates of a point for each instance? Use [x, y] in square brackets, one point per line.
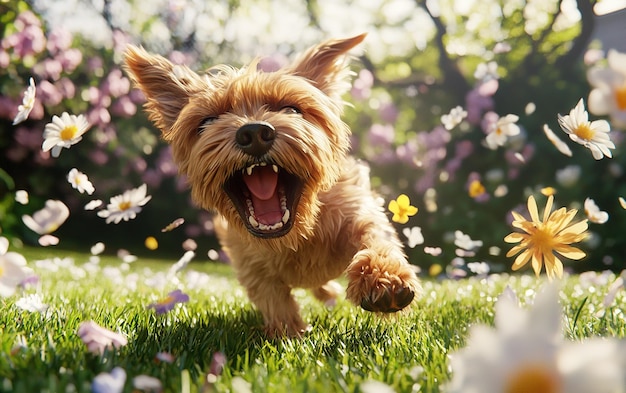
[454, 118]
[556, 141]
[28, 102]
[593, 135]
[91, 205]
[63, 132]
[125, 206]
[32, 303]
[499, 131]
[593, 212]
[526, 352]
[48, 219]
[608, 96]
[13, 269]
[80, 182]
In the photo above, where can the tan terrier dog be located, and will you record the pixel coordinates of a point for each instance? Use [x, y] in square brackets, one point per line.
[267, 151]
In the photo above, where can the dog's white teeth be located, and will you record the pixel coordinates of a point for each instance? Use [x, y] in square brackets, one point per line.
[272, 227]
[275, 168]
[254, 222]
[263, 164]
[249, 169]
[286, 216]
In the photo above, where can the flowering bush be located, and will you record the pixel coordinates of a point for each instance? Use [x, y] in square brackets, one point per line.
[454, 107]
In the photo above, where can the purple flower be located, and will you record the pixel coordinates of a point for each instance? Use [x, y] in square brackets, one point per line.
[167, 304]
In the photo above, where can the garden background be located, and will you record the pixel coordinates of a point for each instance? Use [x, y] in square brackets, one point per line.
[419, 60]
[450, 105]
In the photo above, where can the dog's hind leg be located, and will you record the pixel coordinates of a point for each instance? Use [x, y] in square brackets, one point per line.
[328, 292]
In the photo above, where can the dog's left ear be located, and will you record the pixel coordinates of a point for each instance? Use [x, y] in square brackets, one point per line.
[326, 65]
[167, 87]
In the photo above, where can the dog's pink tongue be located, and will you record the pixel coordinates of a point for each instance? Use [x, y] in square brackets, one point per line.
[262, 185]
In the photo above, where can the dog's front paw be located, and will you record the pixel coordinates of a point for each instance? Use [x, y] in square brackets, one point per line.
[381, 283]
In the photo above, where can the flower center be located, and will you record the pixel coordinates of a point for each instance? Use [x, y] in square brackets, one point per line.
[124, 205]
[1, 271]
[532, 378]
[68, 132]
[583, 131]
[543, 239]
[620, 97]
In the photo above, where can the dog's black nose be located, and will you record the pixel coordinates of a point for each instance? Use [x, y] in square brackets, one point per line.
[255, 138]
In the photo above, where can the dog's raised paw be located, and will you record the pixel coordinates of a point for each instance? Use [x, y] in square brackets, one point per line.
[381, 283]
[388, 299]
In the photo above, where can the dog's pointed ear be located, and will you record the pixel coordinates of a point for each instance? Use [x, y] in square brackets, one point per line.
[166, 86]
[326, 65]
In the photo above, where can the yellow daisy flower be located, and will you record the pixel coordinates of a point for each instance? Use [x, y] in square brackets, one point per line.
[545, 240]
[402, 209]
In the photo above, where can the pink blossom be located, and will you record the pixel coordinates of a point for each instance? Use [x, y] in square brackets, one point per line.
[381, 135]
[70, 59]
[124, 107]
[59, 39]
[116, 84]
[48, 93]
[361, 87]
[30, 41]
[5, 59]
[49, 69]
[67, 87]
[272, 63]
[98, 339]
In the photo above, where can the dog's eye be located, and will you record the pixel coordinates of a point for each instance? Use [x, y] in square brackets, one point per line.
[207, 121]
[291, 110]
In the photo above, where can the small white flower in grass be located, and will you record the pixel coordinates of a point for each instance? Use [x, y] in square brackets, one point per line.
[80, 182]
[414, 236]
[48, 219]
[593, 135]
[479, 268]
[112, 382]
[97, 248]
[94, 204]
[63, 132]
[593, 212]
[48, 240]
[526, 352]
[21, 196]
[98, 339]
[622, 202]
[31, 303]
[499, 132]
[28, 102]
[146, 383]
[454, 117]
[125, 206]
[556, 141]
[13, 269]
[608, 96]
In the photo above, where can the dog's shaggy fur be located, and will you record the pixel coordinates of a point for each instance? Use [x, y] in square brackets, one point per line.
[267, 151]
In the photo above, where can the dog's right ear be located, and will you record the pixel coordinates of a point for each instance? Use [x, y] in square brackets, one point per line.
[167, 86]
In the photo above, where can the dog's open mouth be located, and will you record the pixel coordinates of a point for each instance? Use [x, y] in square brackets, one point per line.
[266, 197]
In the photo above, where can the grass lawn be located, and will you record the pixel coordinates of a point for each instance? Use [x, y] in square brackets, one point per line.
[346, 348]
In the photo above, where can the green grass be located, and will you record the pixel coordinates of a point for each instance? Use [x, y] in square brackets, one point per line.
[346, 347]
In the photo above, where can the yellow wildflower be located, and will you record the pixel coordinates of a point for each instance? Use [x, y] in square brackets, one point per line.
[402, 209]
